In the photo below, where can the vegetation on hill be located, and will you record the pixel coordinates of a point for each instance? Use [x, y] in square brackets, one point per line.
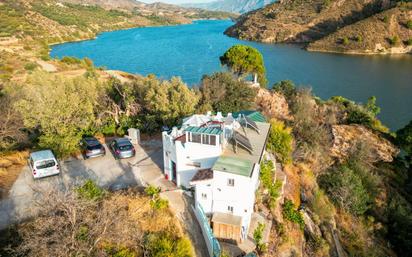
[92, 222]
[28, 27]
[350, 26]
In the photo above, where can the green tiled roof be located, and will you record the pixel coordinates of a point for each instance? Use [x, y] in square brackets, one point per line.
[234, 165]
[204, 130]
[253, 115]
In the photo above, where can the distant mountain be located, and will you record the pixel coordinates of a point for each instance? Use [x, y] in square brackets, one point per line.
[159, 11]
[234, 6]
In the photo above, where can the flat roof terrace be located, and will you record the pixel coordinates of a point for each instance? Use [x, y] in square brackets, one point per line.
[240, 161]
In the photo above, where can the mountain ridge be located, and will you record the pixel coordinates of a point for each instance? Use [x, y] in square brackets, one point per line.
[235, 6]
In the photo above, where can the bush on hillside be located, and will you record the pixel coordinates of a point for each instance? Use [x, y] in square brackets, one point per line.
[346, 190]
[286, 88]
[290, 213]
[280, 141]
[409, 24]
[162, 244]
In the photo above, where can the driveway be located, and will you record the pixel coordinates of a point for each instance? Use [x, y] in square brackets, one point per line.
[145, 168]
[105, 171]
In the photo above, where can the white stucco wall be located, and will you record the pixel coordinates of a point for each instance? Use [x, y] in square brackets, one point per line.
[185, 155]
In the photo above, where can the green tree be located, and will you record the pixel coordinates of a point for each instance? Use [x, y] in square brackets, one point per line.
[409, 24]
[285, 87]
[245, 60]
[280, 141]
[404, 138]
[221, 92]
[345, 189]
[59, 107]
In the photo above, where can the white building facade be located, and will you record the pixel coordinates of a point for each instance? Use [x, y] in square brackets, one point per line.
[220, 157]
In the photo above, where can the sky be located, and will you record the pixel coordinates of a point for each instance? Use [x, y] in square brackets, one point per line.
[176, 1]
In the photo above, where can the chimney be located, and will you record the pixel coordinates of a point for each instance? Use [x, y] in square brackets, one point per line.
[219, 116]
[174, 132]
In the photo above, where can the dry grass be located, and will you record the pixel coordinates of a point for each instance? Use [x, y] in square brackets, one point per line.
[72, 226]
[10, 167]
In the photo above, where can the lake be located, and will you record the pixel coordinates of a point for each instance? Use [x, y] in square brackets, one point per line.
[189, 51]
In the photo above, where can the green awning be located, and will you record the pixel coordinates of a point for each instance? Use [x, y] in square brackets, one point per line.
[204, 130]
[253, 115]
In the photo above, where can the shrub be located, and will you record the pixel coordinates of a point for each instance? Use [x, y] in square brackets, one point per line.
[83, 233]
[258, 237]
[30, 66]
[267, 178]
[280, 141]
[285, 87]
[409, 42]
[345, 41]
[385, 19]
[345, 189]
[162, 244]
[156, 202]
[358, 38]
[290, 213]
[409, 24]
[394, 41]
[90, 191]
[404, 138]
[70, 60]
[118, 251]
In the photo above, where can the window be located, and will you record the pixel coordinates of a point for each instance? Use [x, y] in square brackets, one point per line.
[230, 208]
[45, 164]
[231, 182]
[204, 196]
[212, 140]
[196, 138]
[205, 139]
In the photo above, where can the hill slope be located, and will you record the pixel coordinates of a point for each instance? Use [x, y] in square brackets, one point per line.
[386, 32]
[234, 6]
[306, 21]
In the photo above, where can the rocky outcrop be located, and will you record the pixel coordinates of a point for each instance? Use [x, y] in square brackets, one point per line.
[345, 137]
[273, 105]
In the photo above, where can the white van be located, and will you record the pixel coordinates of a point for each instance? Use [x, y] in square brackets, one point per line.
[43, 164]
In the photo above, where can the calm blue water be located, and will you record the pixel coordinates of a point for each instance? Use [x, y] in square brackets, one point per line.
[189, 51]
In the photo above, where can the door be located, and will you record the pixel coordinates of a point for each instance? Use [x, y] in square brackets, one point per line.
[174, 172]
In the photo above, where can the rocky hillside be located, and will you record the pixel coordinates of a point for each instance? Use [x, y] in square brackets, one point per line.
[234, 6]
[386, 32]
[28, 27]
[307, 21]
[157, 9]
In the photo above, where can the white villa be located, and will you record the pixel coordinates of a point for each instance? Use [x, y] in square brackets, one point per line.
[220, 157]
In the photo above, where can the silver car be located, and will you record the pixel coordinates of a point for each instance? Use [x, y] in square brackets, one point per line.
[122, 148]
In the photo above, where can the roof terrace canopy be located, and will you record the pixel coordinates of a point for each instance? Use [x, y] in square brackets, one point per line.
[204, 130]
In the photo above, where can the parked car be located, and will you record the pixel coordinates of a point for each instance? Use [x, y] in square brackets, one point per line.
[91, 147]
[122, 148]
[43, 164]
